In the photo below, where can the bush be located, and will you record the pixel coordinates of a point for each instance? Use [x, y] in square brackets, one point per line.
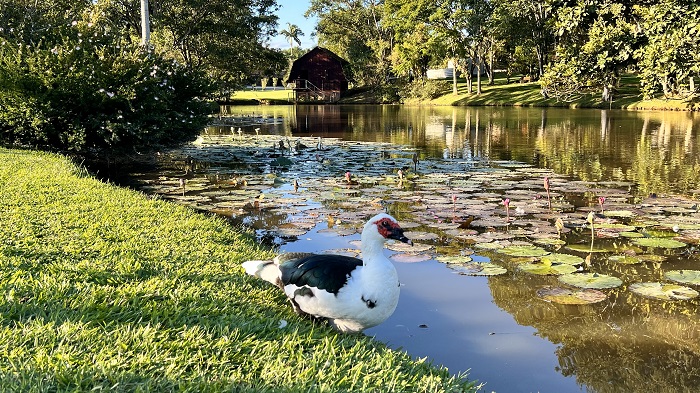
[87, 88]
[425, 89]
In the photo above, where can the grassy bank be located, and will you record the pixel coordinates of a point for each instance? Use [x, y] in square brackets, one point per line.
[105, 289]
[254, 97]
[501, 93]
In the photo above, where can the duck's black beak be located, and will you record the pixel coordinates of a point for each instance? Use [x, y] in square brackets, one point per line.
[397, 234]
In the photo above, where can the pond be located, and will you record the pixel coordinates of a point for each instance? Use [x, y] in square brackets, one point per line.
[555, 250]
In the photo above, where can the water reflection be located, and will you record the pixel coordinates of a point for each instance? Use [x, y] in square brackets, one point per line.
[656, 150]
[624, 344]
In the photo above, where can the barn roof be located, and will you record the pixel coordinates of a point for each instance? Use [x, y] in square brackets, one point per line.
[298, 63]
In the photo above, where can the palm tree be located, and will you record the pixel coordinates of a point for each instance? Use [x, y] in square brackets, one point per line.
[292, 34]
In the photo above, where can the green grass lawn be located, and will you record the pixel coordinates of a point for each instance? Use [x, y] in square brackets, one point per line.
[106, 289]
[262, 96]
[502, 93]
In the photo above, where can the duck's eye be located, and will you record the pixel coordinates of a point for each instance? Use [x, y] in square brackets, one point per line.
[386, 224]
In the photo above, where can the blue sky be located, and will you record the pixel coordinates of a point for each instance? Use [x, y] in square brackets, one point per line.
[292, 11]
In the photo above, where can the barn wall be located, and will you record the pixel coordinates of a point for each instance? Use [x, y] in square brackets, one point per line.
[321, 68]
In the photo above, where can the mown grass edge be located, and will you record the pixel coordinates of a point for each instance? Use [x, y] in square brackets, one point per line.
[107, 289]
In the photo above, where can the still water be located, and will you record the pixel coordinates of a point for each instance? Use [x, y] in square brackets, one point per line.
[495, 327]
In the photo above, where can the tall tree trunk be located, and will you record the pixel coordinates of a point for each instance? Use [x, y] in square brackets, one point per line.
[490, 68]
[478, 75]
[540, 61]
[454, 77]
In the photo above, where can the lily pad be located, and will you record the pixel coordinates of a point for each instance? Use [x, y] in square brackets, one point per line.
[658, 242]
[620, 213]
[410, 258]
[568, 296]
[658, 290]
[615, 227]
[586, 248]
[567, 259]
[523, 251]
[631, 234]
[547, 269]
[454, 259]
[408, 248]
[590, 280]
[684, 276]
[489, 245]
[549, 241]
[478, 269]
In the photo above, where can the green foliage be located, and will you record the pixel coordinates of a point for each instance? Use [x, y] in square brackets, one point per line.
[224, 39]
[353, 30]
[596, 45]
[671, 55]
[75, 84]
[575, 48]
[292, 34]
[424, 89]
[107, 290]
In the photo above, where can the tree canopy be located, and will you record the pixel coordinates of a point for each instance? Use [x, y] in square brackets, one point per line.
[75, 77]
[573, 47]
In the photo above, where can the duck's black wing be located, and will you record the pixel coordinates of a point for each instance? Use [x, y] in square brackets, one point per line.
[322, 271]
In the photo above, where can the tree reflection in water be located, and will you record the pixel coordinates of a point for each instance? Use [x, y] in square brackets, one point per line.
[625, 343]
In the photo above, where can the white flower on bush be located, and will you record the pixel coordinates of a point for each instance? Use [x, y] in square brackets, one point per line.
[109, 93]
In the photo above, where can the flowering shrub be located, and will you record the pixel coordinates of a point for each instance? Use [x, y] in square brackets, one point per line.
[82, 86]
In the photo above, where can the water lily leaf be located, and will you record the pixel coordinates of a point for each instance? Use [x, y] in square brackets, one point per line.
[615, 227]
[567, 259]
[489, 245]
[587, 248]
[568, 296]
[410, 258]
[549, 241]
[454, 259]
[631, 234]
[663, 291]
[684, 276]
[417, 235]
[590, 280]
[658, 242]
[620, 213]
[404, 247]
[523, 251]
[477, 269]
[547, 269]
[290, 231]
[625, 259]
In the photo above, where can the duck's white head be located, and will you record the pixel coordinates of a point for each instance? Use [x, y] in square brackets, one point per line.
[383, 227]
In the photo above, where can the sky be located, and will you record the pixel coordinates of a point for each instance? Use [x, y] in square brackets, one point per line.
[292, 11]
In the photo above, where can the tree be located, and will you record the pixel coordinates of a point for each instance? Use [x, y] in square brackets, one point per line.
[71, 82]
[224, 38]
[292, 34]
[670, 59]
[526, 26]
[353, 30]
[428, 31]
[597, 40]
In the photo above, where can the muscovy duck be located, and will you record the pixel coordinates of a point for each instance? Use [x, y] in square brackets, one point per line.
[351, 294]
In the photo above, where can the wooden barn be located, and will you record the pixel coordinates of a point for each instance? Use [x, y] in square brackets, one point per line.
[318, 76]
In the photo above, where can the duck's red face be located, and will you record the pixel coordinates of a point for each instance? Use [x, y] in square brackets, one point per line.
[390, 229]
